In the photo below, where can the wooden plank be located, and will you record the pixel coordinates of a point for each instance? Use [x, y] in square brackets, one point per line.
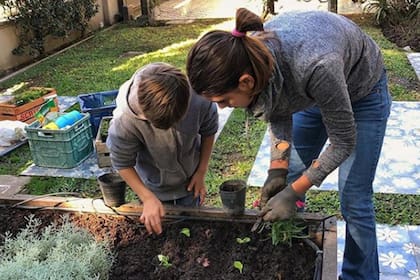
[329, 247]
[102, 151]
[134, 209]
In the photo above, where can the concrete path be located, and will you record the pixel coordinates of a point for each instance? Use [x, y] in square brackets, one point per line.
[205, 9]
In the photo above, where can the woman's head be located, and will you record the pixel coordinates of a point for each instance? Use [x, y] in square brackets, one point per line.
[217, 63]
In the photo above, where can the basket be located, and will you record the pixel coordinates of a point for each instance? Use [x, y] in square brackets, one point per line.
[63, 148]
[98, 105]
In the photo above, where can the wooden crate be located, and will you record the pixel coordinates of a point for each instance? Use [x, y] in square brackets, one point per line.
[26, 112]
[102, 151]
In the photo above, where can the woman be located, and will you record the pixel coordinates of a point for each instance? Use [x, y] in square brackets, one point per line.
[311, 75]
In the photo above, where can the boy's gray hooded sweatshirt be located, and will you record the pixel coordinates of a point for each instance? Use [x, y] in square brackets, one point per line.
[321, 59]
[164, 159]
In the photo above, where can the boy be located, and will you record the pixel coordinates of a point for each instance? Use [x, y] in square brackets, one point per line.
[160, 140]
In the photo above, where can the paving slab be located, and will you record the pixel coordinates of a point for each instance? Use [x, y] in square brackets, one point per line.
[414, 59]
[399, 163]
[11, 185]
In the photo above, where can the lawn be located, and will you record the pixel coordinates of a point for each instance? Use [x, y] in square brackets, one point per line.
[112, 55]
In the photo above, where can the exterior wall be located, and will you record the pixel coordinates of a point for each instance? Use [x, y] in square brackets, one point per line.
[8, 37]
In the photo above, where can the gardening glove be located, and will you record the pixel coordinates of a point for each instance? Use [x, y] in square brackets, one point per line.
[275, 182]
[282, 206]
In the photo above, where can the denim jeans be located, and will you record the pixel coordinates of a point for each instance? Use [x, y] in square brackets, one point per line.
[356, 174]
[188, 201]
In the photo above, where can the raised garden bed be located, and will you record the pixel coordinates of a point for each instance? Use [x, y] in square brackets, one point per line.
[208, 253]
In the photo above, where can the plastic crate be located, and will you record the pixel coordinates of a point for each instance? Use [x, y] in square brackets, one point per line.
[98, 105]
[63, 148]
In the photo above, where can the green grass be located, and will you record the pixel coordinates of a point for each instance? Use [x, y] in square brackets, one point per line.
[111, 57]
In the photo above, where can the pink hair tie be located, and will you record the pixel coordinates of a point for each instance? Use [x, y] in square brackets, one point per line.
[237, 33]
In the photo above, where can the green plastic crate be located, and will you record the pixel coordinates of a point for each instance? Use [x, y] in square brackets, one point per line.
[64, 148]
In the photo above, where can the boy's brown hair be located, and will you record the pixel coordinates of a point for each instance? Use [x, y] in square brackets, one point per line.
[163, 94]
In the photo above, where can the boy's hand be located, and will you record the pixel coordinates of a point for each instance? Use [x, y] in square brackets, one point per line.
[153, 212]
[198, 186]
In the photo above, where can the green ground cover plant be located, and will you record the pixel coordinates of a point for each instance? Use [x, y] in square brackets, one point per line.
[58, 251]
[112, 55]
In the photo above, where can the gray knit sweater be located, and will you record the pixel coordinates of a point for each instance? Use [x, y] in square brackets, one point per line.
[323, 59]
[164, 159]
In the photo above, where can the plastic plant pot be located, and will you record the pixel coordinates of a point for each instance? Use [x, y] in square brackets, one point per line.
[113, 189]
[232, 194]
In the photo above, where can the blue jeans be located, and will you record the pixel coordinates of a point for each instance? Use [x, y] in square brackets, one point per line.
[356, 174]
[188, 201]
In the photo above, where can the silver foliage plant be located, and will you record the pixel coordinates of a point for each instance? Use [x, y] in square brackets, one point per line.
[56, 252]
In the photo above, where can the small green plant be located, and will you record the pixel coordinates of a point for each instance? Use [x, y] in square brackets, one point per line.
[243, 240]
[164, 261]
[282, 232]
[186, 232]
[56, 252]
[238, 265]
[104, 126]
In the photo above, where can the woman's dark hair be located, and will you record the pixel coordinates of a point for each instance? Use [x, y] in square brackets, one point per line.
[218, 59]
[163, 94]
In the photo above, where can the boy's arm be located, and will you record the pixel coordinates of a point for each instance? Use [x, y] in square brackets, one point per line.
[205, 152]
[197, 181]
[153, 209]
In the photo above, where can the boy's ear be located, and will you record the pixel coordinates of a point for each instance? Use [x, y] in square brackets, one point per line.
[246, 82]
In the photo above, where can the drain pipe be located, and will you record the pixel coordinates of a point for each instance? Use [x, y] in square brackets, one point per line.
[318, 260]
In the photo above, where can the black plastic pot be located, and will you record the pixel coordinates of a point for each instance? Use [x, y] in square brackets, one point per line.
[113, 189]
[232, 194]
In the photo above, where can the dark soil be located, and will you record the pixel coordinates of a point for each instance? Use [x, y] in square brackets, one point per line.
[208, 253]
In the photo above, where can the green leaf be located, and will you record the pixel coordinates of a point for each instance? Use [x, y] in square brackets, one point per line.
[243, 240]
[238, 265]
[186, 232]
[164, 261]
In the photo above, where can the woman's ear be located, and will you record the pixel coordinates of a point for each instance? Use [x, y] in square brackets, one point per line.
[246, 82]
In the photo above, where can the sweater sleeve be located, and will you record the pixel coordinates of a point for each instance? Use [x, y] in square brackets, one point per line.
[210, 119]
[327, 85]
[123, 146]
[280, 130]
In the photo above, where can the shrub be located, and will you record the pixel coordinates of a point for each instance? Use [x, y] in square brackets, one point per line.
[393, 12]
[56, 252]
[37, 19]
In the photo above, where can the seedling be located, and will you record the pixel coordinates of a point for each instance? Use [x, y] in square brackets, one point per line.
[243, 240]
[284, 231]
[164, 261]
[238, 265]
[186, 232]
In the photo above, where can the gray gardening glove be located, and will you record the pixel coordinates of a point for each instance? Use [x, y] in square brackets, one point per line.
[282, 206]
[275, 182]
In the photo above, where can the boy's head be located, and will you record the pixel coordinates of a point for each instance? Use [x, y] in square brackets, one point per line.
[163, 94]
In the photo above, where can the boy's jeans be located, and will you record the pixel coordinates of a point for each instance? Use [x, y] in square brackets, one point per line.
[356, 174]
[189, 201]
